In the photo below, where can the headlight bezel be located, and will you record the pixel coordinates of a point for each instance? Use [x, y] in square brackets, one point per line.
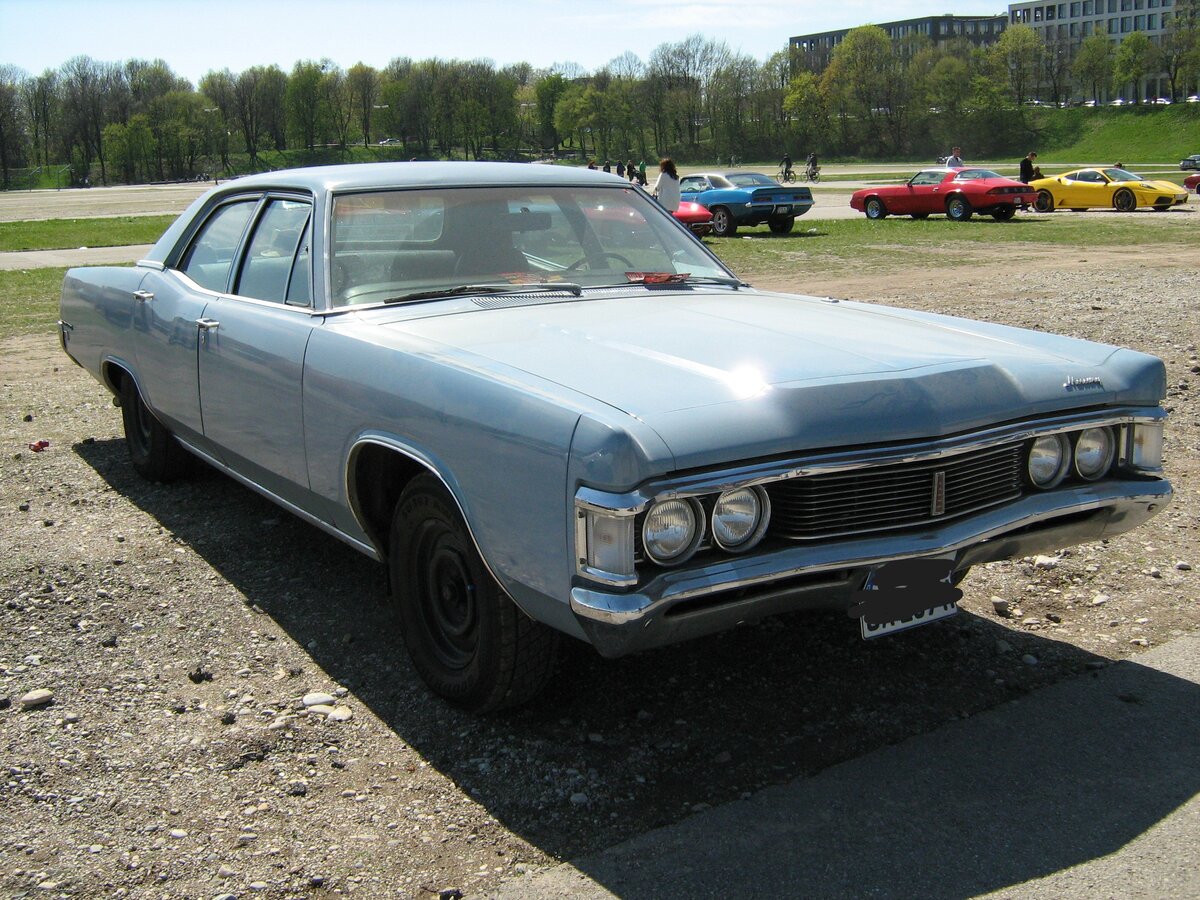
[755, 535]
[1109, 455]
[689, 548]
[1062, 467]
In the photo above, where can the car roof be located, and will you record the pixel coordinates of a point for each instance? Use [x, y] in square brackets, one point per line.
[365, 176]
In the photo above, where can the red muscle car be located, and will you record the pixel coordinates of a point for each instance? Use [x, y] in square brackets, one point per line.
[695, 217]
[957, 193]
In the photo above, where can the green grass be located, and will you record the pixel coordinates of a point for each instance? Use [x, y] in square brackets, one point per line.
[61, 234]
[861, 245]
[29, 301]
[1142, 134]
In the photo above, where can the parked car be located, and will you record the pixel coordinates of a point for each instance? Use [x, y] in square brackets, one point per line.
[1109, 187]
[544, 428]
[746, 198]
[695, 217]
[1190, 162]
[957, 192]
[1159, 101]
[1192, 183]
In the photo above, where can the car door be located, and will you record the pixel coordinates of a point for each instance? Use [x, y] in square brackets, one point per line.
[691, 186]
[251, 353]
[1085, 188]
[168, 309]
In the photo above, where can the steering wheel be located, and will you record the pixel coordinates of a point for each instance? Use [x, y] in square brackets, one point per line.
[603, 254]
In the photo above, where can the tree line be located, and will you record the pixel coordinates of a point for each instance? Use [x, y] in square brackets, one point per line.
[695, 99]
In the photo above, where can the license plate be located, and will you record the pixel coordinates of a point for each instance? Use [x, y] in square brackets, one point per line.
[904, 594]
[782, 209]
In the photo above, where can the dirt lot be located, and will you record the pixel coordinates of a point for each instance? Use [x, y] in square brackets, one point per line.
[180, 627]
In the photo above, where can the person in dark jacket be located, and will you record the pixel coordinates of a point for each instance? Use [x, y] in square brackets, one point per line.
[1029, 171]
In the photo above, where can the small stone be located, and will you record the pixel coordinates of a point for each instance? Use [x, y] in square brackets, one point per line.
[449, 894]
[1003, 646]
[38, 697]
[1054, 617]
[225, 897]
[316, 880]
[1100, 599]
[579, 799]
[723, 757]
[258, 885]
[1139, 642]
[340, 714]
[318, 699]
[321, 709]
[197, 675]
[178, 833]
[1154, 572]
[1031, 621]
[229, 717]
[247, 837]
[1029, 659]
[1000, 607]
[596, 738]
[1183, 566]
[225, 872]
[1045, 562]
[297, 789]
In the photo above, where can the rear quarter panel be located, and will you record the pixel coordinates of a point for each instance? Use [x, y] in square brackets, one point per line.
[97, 307]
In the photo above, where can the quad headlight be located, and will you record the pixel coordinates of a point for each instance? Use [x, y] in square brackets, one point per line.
[672, 530]
[739, 518]
[1094, 452]
[1048, 460]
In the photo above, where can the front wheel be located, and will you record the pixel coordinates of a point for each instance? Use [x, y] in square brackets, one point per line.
[875, 209]
[1004, 213]
[153, 450]
[958, 209]
[468, 641]
[1124, 201]
[1044, 202]
[781, 224]
[723, 222]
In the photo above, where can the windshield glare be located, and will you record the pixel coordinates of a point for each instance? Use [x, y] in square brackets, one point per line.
[1122, 175]
[973, 174]
[387, 244]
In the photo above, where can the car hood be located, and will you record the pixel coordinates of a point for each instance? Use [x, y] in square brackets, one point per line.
[726, 374]
[1160, 187]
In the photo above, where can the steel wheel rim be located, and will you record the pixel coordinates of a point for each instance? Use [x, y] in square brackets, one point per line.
[447, 597]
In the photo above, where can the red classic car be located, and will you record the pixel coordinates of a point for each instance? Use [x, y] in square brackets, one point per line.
[695, 217]
[1192, 183]
[959, 193]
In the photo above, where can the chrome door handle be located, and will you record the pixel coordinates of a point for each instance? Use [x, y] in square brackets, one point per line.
[208, 324]
[144, 296]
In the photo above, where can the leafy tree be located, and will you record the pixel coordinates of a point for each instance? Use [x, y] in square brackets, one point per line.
[1016, 59]
[1179, 48]
[304, 101]
[1093, 64]
[40, 96]
[12, 126]
[1135, 60]
[549, 90]
[363, 83]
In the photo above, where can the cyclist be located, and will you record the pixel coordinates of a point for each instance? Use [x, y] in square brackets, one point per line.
[812, 168]
[785, 167]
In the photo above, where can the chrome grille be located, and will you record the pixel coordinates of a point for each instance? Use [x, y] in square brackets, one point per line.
[897, 496]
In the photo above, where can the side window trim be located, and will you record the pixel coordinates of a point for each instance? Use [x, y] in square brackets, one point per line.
[190, 240]
[243, 249]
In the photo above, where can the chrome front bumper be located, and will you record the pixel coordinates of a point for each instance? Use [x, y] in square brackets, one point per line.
[688, 603]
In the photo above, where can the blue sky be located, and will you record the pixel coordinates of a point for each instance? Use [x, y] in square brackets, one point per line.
[196, 37]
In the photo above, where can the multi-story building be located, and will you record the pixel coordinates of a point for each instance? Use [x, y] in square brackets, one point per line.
[1069, 24]
[978, 30]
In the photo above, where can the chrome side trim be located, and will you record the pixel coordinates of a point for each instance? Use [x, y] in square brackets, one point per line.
[296, 511]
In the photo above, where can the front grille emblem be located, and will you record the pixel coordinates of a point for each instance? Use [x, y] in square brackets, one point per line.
[937, 502]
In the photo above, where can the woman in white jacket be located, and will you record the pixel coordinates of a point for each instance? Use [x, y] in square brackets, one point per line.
[666, 188]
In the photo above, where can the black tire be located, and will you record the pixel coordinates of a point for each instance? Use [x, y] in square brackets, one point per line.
[1004, 213]
[781, 224]
[724, 224]
[920, 216]
[1124, 201]
[468, 640]
[875, 208]
[153, 450]
[958, 208]
[1044, 202]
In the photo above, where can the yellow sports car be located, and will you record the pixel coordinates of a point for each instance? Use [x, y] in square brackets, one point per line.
[1109, 187]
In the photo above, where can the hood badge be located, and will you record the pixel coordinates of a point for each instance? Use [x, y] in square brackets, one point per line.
[1080, 384]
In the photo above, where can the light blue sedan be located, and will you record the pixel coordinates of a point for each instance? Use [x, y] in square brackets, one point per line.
[551, 411]
[746, 198]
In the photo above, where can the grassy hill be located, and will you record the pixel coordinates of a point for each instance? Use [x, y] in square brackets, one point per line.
[1143, 134]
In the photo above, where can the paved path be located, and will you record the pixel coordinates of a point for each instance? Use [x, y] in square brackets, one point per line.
[1088, 789]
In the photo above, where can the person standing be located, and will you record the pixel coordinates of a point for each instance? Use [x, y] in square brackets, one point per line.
[632, 172]
[607, 166]
[666, 187]
[1029, 171]
[955, 160]
[642, 172]
[620, 169]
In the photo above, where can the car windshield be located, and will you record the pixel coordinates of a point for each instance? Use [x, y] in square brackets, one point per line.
[1122, 175]
[975, 174]
[750, 179]
[396, 245]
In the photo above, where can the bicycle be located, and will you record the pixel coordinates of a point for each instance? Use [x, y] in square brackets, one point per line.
[813, 174]
[786, 176]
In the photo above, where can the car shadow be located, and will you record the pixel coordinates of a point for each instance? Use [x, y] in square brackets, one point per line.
[616, 748]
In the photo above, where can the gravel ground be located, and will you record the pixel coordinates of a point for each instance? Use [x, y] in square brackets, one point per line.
[182, 630]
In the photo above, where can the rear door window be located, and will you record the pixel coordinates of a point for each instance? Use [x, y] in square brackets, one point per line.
[268, 264]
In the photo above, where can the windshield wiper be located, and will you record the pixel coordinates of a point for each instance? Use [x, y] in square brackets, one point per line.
[653, 279]
[504, 288]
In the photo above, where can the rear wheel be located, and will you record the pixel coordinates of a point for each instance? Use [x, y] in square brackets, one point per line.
[875, 209]
[781, 224]
[468, 640]
[153, 450]
[723, 222]
[958, 209]
[1124, 201]
[1004, 213]
[1044, 202]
